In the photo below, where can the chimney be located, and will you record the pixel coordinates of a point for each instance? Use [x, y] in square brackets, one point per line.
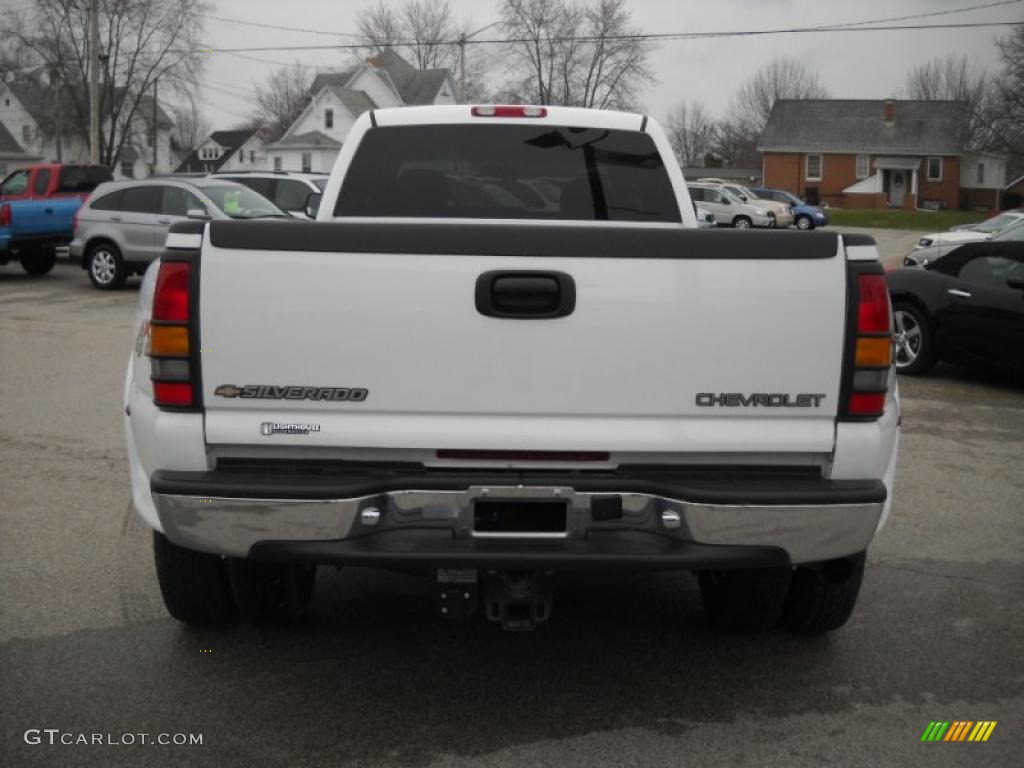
[890, 112]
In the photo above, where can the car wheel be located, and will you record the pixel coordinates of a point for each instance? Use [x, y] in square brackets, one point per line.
[750, 600]
[38, 261]
[822, 595]
[106, 266]
[194, 584]
[741, 222]
[804, 222]
[772, 223]
[913, 346]
[271, 593]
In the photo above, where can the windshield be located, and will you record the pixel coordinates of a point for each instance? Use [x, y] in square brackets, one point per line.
[731, 196]
[792, 198]
[240, 202]
[1014, 233]
[997, 223]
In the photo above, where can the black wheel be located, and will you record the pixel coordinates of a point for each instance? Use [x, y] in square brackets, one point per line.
[803, 221]
[822, 595]
[913, 344]
[772, 223]
[744, 600]
[106, 266]
[741, 222]
[271, 593]
[38, 261]
[194, 584]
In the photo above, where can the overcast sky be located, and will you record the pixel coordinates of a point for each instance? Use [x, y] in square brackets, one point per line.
[852, 65]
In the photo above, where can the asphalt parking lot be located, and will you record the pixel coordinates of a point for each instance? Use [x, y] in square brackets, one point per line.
[626, 673]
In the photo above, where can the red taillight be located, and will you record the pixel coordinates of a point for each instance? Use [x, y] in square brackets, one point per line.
[170, 299]
[74, 220]
[172, 393]
[5, 215]
[170, 346]
[873, 310]
[509, 110]
[871, 353]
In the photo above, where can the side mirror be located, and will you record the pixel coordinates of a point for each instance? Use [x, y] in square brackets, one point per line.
[1016, 283]
[198, 214]
[313, 204]
[914, 261]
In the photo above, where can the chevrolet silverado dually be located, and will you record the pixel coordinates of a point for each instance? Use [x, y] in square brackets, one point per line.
[503, 351]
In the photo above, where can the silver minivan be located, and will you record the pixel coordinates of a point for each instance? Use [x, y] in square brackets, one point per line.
[728, 209]
[121, 228]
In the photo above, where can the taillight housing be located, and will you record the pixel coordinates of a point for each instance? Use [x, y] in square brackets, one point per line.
[869, 358]
[509, 110]
[171, 338]
[5, 215]
[74, 220]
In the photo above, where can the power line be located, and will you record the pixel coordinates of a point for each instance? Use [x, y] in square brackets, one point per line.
[282, 28]
[623, 38]
[929, 14]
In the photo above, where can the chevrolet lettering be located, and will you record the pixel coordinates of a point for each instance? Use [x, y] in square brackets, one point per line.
[761, 399]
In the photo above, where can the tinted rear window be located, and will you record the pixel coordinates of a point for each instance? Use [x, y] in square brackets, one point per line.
[108, 202]
[82, 178]
[508, 172]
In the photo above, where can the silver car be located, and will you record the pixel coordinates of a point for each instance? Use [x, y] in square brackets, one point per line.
[728, 209]
[121, 228]
[289, 190]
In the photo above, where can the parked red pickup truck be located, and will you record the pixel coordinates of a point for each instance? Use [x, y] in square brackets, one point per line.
[46, 180]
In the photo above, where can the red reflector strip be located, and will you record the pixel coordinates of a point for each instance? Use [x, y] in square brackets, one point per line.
[867, 403]
[170, 299]
[873, 310]
[508, 110]
[523, 455]
[172, 393]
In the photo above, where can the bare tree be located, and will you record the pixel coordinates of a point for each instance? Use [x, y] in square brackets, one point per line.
[956, 78]
[1008, 101]
[420, 30]
[190, 126]
[691, 130]
[579, 54]
[735, 143]
[280, 100]
[780, 79]
[141, 41]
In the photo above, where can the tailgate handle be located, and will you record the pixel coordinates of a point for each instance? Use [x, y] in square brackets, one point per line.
[525, 295]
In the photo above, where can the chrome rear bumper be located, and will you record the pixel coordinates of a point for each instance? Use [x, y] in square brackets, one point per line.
[233, 525]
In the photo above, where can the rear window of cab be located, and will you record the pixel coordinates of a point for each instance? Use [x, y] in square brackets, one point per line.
[508, 172]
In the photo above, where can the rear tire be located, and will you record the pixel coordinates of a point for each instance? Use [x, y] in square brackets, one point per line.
[194, 584]
[271, 593]
[38, 261]
[106, 267]
[911, 328]
[741, 222]
[822, 595]
[804, 222]
[749, 600]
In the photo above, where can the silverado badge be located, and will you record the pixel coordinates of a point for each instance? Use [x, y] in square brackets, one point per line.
[275, 392]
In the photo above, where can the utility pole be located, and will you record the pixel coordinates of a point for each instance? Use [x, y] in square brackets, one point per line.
[94, 87]
[55, 87]
[152, 170]
[462, 67]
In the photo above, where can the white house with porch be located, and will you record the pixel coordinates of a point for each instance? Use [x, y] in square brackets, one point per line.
[313, 141]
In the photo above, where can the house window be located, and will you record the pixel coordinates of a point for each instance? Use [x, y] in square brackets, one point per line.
[26, 133]
[934, 169]
[813, 168]
[981, 173]
[241, 155]
[277, 163]
[252, 155]
[128, 169]
[328, 118]
[863, 166]
[307, 161]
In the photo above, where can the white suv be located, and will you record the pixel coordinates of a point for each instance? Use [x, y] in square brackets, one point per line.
[289, 190]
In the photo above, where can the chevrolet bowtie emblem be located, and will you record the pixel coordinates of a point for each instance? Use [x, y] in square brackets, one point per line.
[227, 390]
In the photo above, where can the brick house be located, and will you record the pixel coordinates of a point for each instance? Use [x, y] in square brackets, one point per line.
[878, 154]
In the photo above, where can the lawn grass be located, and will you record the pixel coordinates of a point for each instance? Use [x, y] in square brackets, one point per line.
[931, 221]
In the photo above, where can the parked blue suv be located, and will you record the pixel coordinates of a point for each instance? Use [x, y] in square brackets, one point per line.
[804, 216]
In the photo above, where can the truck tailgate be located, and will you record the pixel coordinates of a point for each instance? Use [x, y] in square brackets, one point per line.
[679, 340]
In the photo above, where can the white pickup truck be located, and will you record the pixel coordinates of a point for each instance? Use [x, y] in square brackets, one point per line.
[504, 351]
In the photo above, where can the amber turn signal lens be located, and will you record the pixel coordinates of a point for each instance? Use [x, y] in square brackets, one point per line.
[170, 340]
[873, 351]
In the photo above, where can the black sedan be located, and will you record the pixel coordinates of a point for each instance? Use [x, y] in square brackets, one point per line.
[966, 307]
